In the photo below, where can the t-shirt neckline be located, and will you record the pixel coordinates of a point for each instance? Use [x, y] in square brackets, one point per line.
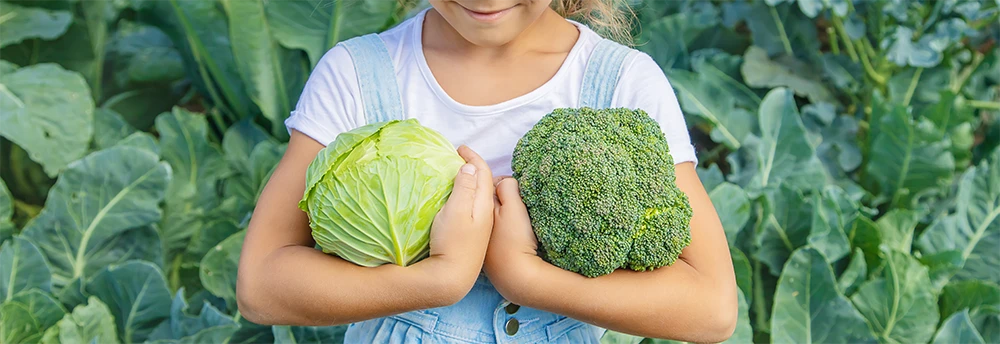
[425, 71]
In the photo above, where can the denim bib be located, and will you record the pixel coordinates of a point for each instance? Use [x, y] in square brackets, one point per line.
[482, 316]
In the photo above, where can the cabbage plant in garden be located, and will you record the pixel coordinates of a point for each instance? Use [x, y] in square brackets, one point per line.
[850, 147]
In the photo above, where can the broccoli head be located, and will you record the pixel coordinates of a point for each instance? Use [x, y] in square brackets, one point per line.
[600, 190]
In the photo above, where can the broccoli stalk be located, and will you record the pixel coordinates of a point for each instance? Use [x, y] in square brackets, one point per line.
[600, 190]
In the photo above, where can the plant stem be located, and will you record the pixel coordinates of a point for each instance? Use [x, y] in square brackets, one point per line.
[834, 46]
[982, 104]
[29, 210]
[214, 114]
[714, 153]
[913, 86]
[878, 78]
[758, 297]
[781, 31]
[839, 24]
[175, 273]
[963, 77]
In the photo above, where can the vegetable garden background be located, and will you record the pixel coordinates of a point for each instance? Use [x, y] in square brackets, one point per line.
[850, 147]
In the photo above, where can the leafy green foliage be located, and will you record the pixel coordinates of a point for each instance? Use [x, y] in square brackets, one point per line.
[850, 149]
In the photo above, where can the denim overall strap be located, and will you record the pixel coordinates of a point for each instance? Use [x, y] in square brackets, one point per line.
[376, 78]
[601, 77]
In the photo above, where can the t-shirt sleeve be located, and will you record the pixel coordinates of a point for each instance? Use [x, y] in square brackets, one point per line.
[329, 103]
[644, 86]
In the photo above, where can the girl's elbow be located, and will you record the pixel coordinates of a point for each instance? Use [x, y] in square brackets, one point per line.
[248, 304]
[721, 321]
[725, 326]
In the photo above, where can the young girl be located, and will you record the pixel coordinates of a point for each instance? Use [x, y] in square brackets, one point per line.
[481, 72]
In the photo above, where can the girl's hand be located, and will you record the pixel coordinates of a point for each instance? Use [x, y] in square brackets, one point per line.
[511, 260]
[461, 229]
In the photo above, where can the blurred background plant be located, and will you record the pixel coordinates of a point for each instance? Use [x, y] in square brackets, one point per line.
[850, 147]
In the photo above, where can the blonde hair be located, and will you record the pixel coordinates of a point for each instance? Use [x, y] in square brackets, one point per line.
[610, 18]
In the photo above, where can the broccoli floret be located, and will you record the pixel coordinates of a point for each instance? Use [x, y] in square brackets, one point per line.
[600, 190]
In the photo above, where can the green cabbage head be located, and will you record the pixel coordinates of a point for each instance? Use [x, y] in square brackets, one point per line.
[373, 192]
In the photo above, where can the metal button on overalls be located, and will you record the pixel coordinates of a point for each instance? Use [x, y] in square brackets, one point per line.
[512, 308]
[512, 326]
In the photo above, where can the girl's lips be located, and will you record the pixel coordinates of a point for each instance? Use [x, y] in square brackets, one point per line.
[487, 16]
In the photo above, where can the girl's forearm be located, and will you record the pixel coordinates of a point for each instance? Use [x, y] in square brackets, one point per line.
[675, 302]
[298, 285]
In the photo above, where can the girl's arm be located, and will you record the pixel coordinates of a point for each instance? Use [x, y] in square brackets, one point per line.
[282, 279]
[692, 300]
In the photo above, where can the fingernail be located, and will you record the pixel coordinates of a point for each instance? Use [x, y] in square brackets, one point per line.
[469, 169]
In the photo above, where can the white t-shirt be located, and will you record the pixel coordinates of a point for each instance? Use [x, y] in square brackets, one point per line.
[331, 101]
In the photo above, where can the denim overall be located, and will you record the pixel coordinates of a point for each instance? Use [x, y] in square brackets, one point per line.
[483, 316]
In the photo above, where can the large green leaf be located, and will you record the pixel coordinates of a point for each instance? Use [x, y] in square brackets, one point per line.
[785, 227]
[18, 325]
[957, 122]
[896, 228]
[180, 324]
[668, 39]
[808, 307]
[840, 72]
[614, 337]
[958, 329]
[900, 304]
[834, 214]
[743, 272]
[308, 334]
[251, 333]
[197, 166]
[782, 29]
[217, 334]
[90, 323]
[733, 207]
[908, 159]
[317, 25]
[19, 23]
[942, 266]
[48, 111]
[109, 128]
[22, 267]
[218, 268]
[812, 8]
[855, 273]
[971, 294]
[725, 72]
[974, 227]
[6, 213]
[703, 95]
[744, 331]
[201, 33]
[99, 213]
[134, 47]
[208, 238]
[987, 321]
[929, 49]
[761, 71]
[783, 154]
[24, 318]
[274, 75]
[137, 296]
[97, 15]
[866, 236]
[41, 305]
[238, 144]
